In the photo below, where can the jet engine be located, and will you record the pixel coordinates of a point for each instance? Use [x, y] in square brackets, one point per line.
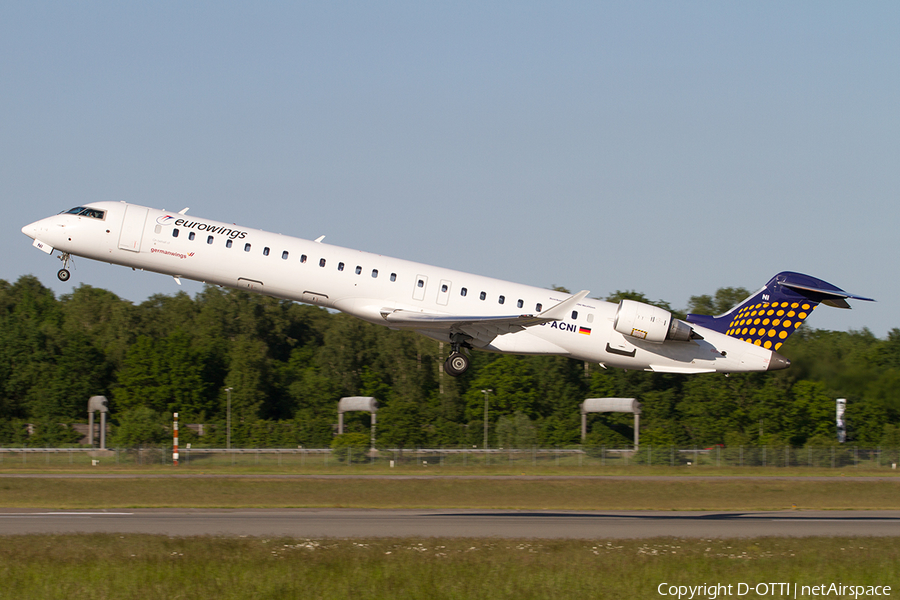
[651, 323]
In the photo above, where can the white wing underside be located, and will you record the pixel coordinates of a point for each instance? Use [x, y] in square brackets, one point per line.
[484, 328]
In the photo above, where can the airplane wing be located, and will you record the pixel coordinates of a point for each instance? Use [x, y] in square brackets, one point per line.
[481, 327]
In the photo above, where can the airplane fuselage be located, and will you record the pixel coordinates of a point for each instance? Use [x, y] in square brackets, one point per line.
[372, 287]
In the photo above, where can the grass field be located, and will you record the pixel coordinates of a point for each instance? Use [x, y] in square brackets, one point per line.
[150, 567]
[570, 493]
[156, 567]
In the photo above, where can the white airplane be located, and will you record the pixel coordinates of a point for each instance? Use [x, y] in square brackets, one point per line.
[465, 310]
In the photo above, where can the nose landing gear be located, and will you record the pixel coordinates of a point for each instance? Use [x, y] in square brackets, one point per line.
[63, 274]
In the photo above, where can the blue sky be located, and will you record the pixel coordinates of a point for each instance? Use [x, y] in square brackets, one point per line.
[670, 148]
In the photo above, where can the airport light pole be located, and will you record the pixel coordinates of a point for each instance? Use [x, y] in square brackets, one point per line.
[228, 420]
[486, 394]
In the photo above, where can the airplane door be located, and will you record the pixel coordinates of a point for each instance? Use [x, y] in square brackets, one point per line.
[419, 290]
[444, 292]
[133, 227]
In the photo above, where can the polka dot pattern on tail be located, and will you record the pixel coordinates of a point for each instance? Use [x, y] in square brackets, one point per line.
[765, 323]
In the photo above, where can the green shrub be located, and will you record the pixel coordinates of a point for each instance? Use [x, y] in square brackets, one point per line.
[356, 445]
[659, 455]
[139, 427]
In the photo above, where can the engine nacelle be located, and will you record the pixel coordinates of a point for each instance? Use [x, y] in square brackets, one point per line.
[650, 323]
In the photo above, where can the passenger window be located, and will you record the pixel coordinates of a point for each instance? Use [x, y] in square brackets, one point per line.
[393, 277]
[284, 255]
[303, 258]
[590, 318]
[358, 269]
[574, 315]
[228, 243]
[266, 251]
[192, 235]
[482, 296]
[246, 247]
[374, 273]
[174, 233]
[502, 299]
[340, 266]
[463, 292]
[538, 307]
[209, 239]
[520, 303]
[321, 262]
[157, 229]
[420, 283]
[444, 288]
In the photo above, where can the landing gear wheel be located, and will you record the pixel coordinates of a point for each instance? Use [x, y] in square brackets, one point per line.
[456, 364]
[63, 273]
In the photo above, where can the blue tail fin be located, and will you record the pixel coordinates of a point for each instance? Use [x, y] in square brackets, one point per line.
[773, 313]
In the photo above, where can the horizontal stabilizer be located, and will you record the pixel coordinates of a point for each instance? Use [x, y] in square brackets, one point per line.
[835, 297]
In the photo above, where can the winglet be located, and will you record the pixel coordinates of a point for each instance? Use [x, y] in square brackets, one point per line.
[559, 311]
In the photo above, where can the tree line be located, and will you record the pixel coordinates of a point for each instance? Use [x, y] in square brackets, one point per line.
[288, 364]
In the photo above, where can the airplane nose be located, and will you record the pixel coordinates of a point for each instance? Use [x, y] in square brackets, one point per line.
[31, 230]
[778, 362]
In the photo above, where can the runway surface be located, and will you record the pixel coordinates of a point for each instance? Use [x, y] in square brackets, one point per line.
[347, 523]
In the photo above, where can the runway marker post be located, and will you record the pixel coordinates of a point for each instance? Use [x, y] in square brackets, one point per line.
[175, 440]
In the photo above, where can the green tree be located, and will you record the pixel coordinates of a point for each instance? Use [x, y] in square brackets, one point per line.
[29, 334]
[138, 426]
[101, 317]
[249, 377]
[400, 423]
[620, 295]
[723, 301]
[80, 371]
[811, 413]
[165, 375]
[48, 433]
[516, 431]
[513, 383]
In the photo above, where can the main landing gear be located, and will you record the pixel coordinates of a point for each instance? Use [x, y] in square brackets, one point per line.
[63, 273]
[458, 362]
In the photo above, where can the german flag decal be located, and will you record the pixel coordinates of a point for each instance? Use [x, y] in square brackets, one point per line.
[584, 330]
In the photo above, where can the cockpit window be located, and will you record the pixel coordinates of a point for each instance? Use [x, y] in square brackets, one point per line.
[83, 211]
